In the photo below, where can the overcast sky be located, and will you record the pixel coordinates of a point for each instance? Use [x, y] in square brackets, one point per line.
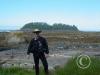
[85, 14]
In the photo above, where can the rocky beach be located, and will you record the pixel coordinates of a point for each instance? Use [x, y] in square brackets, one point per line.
[61, 48]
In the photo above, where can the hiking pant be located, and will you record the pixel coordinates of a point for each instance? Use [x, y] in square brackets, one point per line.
[42, 57]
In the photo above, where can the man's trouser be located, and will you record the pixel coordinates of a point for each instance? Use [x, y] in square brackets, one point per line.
[42, 57]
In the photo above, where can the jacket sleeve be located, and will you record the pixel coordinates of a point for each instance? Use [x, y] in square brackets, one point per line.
[46, 46]
[30, 47]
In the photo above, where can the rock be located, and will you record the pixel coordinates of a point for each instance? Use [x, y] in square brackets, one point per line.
[25, 65]
[57, 67]
[51, 68]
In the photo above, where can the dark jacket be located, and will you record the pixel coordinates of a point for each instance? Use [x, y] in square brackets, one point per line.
[38, 45]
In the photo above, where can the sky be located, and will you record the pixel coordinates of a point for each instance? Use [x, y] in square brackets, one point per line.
[85, 14]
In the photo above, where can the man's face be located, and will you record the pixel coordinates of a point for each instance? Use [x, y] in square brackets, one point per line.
[36, 34]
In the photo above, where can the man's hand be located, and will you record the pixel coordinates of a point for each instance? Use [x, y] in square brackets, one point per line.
[28, 56]
[46, 55]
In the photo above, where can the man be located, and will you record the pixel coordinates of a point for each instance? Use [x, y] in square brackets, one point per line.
[39, 47]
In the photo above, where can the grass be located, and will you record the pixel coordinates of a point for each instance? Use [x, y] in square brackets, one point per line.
[15, 71]
[70, 68]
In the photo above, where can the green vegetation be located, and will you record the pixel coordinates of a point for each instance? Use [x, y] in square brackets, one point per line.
[45, 26]
[15, 71]
[69, 69]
